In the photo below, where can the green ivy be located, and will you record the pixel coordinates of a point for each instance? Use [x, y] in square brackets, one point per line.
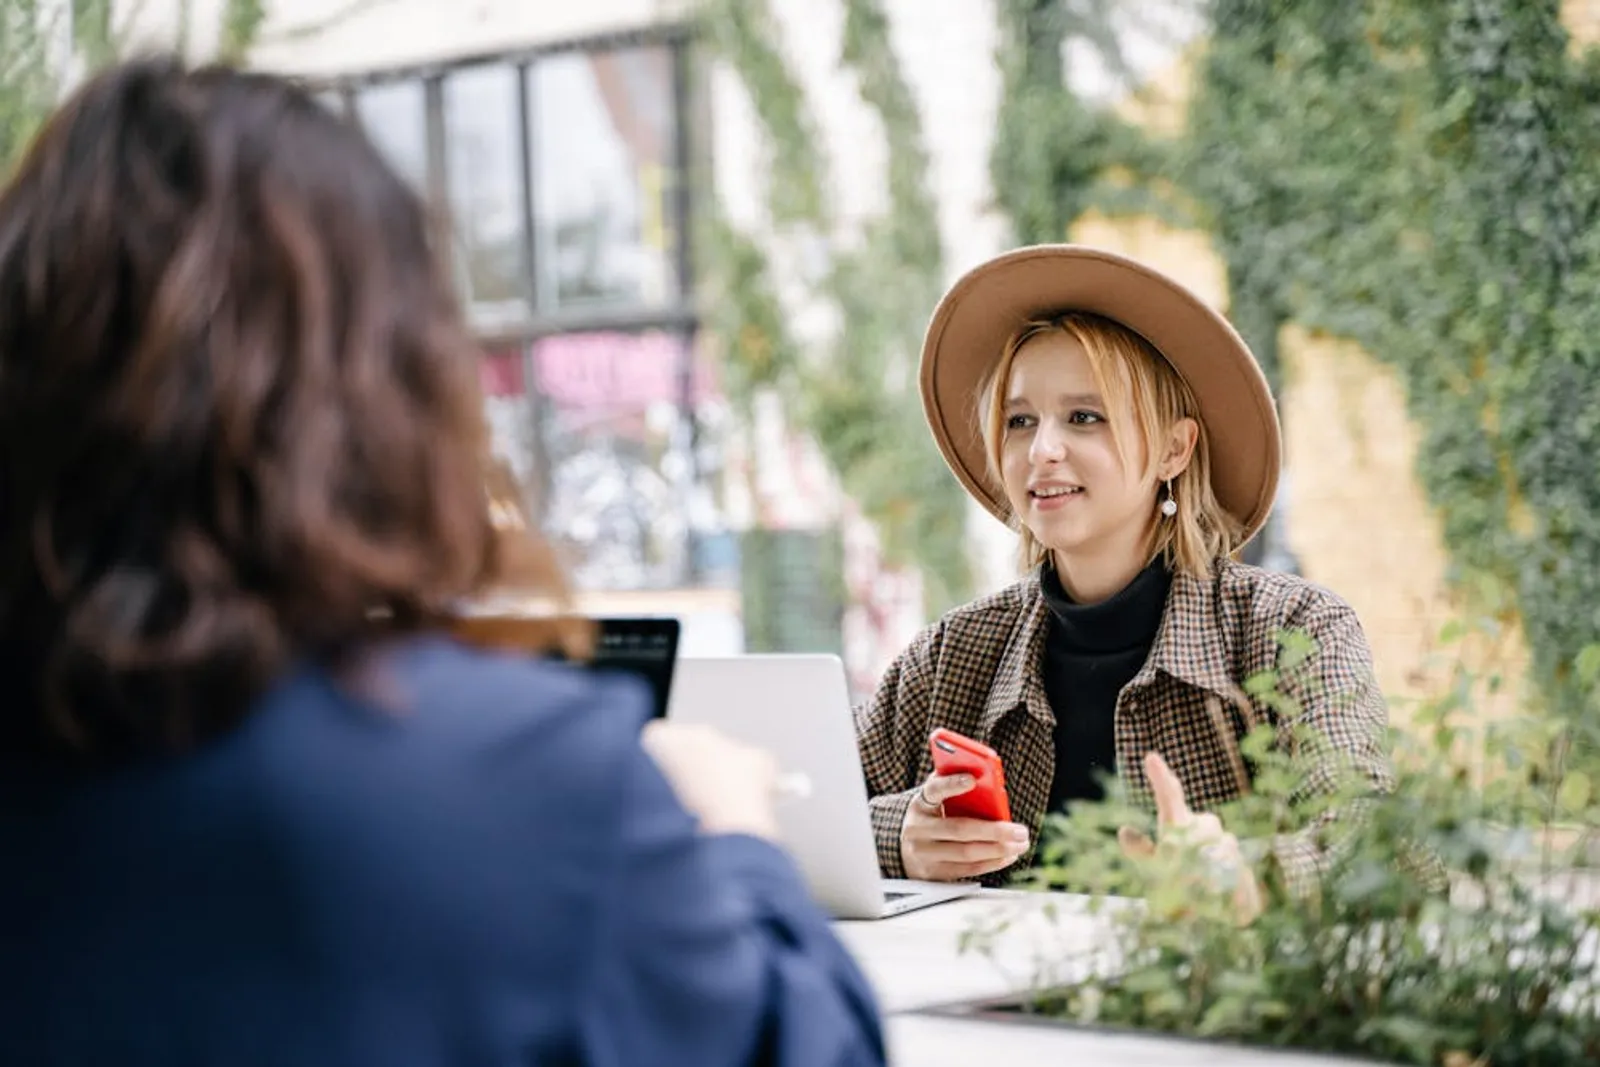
[858, 396]
[1419, 176]
[242, 21]
[1055, 156]
[27, 82]
[31, 83]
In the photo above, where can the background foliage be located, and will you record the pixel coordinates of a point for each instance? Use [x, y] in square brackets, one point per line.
[1446, 931]
[856, 393]
[1419, 176]
[855, 389]
[44, 44]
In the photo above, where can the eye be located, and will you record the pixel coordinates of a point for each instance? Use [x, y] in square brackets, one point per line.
[1084, 417]
[1019, 422]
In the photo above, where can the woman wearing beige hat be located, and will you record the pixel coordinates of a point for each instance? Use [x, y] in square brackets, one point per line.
[1124, 430]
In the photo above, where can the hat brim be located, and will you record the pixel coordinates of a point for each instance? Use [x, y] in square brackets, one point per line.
[971, 325]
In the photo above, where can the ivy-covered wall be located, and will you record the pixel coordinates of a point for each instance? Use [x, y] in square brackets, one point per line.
[1416, 176]
[855, 391]
[1419, 176]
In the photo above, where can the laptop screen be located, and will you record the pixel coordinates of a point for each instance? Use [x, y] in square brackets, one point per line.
[644, 647]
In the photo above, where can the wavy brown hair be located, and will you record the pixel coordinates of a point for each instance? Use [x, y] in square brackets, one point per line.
[240, 416]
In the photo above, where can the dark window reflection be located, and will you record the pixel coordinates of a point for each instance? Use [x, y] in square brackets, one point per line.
[483, 171]
[602, 135]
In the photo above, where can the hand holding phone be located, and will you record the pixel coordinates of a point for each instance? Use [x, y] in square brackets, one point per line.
[954, 753]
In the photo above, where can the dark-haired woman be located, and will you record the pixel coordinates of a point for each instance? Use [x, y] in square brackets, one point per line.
[255, 807]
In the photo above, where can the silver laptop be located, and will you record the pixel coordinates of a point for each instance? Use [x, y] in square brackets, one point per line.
[798, 708]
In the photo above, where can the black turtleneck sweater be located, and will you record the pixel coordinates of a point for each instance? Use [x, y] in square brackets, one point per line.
[1090, 653]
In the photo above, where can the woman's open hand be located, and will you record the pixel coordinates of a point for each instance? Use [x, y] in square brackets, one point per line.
[1195, 833]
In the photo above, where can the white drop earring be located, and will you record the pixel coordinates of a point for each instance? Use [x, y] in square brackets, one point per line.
[1169, 506]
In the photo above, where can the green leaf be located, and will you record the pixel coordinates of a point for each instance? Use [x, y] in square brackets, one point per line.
[1575, 792]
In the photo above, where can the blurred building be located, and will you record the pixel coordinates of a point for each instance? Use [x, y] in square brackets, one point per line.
[560, 139]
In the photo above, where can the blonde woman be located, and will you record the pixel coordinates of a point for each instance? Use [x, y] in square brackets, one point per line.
[1124, 431]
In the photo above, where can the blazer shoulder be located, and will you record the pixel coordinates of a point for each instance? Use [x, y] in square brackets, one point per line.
[1002, 605]
[1277, 597]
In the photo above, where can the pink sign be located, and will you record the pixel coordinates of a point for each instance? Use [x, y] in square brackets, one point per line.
[501, 374]
[614, 370]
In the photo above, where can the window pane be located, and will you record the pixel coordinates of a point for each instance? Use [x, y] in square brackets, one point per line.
[395, 118]
[514, 452]
[484, 174]
[603, 132]
[617, 446]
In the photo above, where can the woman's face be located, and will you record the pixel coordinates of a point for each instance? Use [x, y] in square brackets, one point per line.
[1059, 461]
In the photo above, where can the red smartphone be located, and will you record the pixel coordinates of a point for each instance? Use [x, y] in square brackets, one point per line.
[955, 754]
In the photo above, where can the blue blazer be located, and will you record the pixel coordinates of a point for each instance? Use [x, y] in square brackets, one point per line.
[482, 868]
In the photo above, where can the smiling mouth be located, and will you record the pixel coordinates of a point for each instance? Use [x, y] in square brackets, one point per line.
[1055, 492]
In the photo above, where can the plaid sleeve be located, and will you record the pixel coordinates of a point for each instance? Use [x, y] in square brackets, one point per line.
[891, 729]
[1340, 700]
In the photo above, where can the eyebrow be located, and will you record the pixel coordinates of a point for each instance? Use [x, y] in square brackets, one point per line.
[1067, 400]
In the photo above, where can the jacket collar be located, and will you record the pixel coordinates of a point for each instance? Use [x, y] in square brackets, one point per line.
[1017, 678]
[1189, 646]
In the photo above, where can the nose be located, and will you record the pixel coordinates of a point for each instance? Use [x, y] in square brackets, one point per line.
[1049, 443]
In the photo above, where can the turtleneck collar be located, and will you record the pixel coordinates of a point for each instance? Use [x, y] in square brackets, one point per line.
[1127, 620]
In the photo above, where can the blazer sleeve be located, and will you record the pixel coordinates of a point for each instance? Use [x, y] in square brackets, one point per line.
[1338, 698]
[710, 952]
[892, 731]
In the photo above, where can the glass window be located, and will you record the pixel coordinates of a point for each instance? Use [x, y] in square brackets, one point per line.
[394, 117]
[602, 142]
[514, 452]
[617, 448]
[483, 171]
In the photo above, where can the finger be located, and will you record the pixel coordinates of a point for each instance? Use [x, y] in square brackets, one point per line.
[961, 872]
[975, 830]
[1247, 902]
[1135, 845]
[1172, 809]
[941, 787]
[1223, 851]
[960, 852]
[965, 851]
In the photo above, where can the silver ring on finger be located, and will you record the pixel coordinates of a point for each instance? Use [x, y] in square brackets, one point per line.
[928, 807]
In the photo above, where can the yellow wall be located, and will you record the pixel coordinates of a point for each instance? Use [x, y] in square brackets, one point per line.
[1583, 21]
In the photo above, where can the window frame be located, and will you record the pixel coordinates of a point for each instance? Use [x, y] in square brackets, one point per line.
[688, 155]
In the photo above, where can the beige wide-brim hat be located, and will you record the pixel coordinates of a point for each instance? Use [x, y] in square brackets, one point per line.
[979, 314]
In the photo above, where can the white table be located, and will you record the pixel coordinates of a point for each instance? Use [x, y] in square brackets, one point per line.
[914, 962]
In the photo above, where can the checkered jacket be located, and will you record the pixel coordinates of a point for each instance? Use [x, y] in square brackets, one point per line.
[977, 671]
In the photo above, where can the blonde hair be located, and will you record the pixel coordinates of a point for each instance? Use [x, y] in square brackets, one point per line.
[1142, 392]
